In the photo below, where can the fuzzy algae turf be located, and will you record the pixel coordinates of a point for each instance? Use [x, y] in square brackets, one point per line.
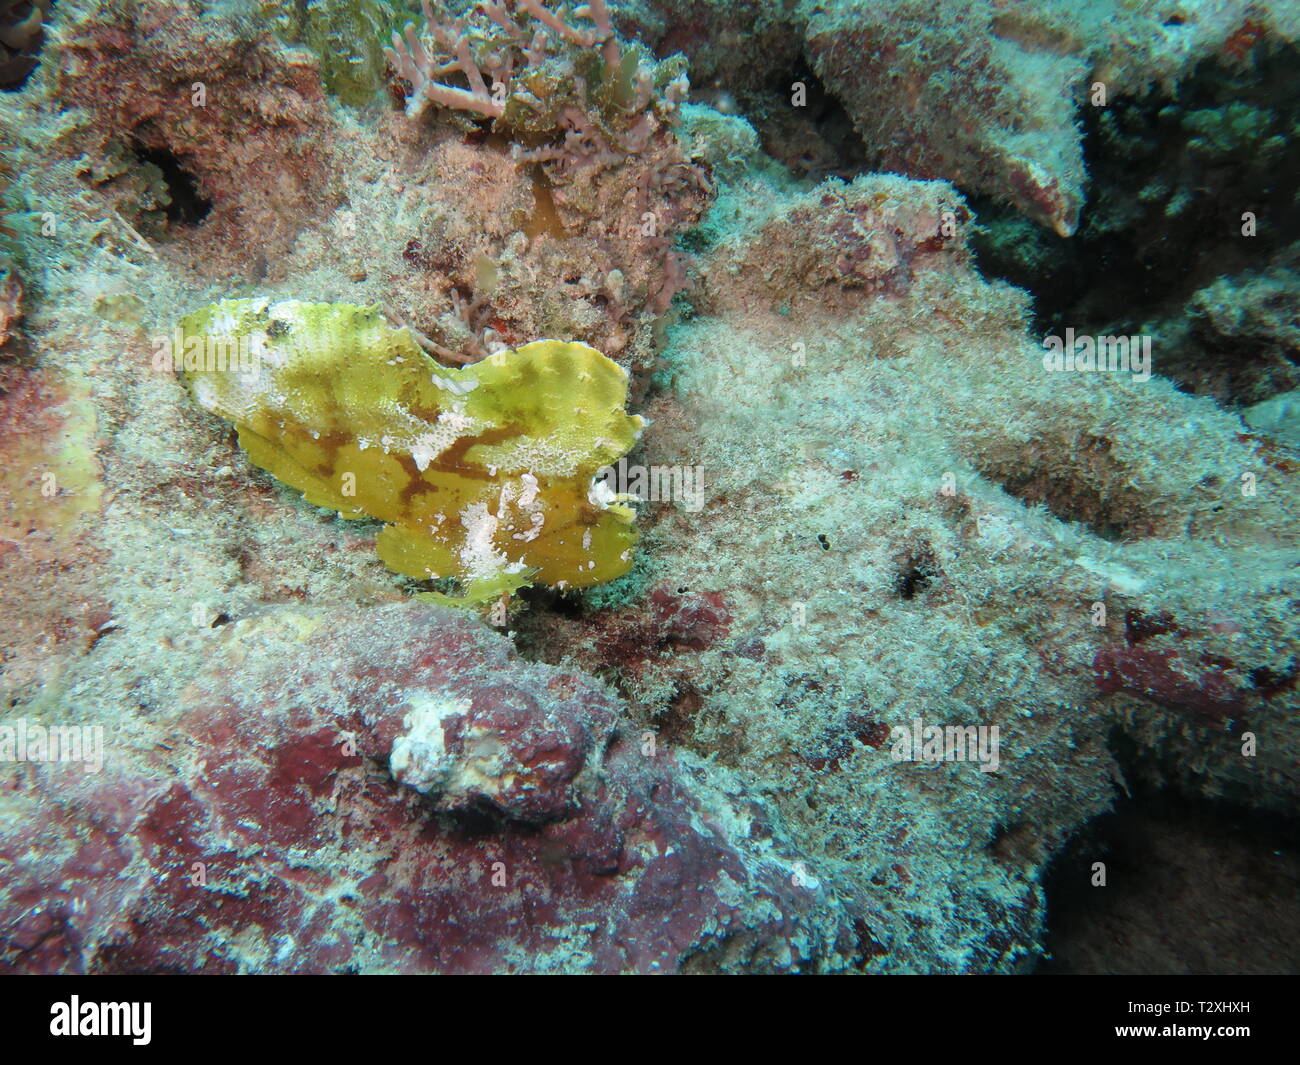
[483, 473]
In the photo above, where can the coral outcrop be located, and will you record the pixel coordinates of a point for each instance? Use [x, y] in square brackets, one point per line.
[962, 93]
[590, 119]
[1189, 236]
[179, 117]
[934, 528]
[267, 835]
[987, 95]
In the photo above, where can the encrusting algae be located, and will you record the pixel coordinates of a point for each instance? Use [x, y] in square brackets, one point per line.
[485, 473]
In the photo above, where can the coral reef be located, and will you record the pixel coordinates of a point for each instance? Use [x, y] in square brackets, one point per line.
[346, 36]
[987, 95]
[911, 606]
[593, 120]
[559, 79]
[1167, 168]
[932, 528]
[1009, 96]
[156, 95]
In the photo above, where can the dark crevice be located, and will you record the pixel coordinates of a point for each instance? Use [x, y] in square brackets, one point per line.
[918, 572]
[550, 601]
[1077, 481]
[1170, 181]
[187, 206]
[22, 24]
[1193, 886]
[814, 138]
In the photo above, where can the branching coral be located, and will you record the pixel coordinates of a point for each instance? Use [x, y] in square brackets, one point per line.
[524, 69]
[588, 119]
[484, 474]
[567, 96]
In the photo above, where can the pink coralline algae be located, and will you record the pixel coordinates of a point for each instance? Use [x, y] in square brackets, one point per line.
[678, 620]
[268, 834]
[1206, 693]
[1183, 676]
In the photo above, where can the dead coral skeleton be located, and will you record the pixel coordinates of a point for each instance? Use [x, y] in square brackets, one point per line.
[474, 313]
[553, 80]
[448, 48]
[575, 103]
[395, 319]
[565, 107]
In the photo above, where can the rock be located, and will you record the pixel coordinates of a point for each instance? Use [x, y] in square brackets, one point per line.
[271, 836]
[1278, 417]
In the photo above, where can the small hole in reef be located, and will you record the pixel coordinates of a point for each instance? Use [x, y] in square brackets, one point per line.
[912, 582]
[917, 574]
[188, 206]
[564, 604]
[814, 139]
